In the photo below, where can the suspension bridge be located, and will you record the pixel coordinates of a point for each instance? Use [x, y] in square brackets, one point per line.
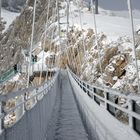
[67, 107]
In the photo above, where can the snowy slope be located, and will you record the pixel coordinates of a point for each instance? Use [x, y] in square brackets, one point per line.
[117, 5]
[112, 26]
[8, 16]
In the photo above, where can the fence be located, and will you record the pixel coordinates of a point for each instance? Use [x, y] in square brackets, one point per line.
[7, 75]
[102, 96]
[28, 118]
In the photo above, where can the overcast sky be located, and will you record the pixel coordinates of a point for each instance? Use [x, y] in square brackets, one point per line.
[117, 5]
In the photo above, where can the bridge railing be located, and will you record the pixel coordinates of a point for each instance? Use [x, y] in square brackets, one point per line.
[14, 105]
[104, 96]
[7, 75]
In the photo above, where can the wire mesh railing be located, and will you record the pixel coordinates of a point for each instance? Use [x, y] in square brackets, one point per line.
[15, 105]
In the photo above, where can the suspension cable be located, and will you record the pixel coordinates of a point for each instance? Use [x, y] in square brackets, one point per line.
[67, 31]
[78, 52]
[68, 47]
[81, 26]
[50, 61]
[44, 42]
[42, 63]
[75, 62]
[133, 40]
[72, 16]
[96, 39]
[50, 47]
[31, 46]
[58, 27]
[59, 30]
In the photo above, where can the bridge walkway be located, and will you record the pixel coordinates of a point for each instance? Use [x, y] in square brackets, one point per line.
[68, 124]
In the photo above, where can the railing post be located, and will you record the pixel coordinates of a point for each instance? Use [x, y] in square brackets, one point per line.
[86, 88]
[20, 110]
[23, 107]
[82, 85]
[106, 98]
[131, 121]
[34, 99]
[43, 88]
[40, 96]
[25, 104]
[94, 91]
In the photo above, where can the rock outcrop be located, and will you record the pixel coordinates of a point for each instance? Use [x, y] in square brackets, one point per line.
[18, 35]
[108, 64]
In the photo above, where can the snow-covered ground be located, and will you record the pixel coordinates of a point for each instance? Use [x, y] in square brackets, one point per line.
[8, 16]
[113, 23]
[117, 5]
[123, 13]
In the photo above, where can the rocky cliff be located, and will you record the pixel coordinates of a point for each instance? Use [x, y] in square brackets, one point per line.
[17, 37]
[111, 65]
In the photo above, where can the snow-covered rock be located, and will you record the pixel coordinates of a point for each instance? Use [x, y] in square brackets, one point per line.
[114, 69]
[18, 82]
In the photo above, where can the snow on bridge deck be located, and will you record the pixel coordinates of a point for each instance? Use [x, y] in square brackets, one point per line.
[66, 122]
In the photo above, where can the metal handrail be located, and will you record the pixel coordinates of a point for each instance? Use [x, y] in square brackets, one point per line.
[4, 98]
[90, 88]
[107, 89]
